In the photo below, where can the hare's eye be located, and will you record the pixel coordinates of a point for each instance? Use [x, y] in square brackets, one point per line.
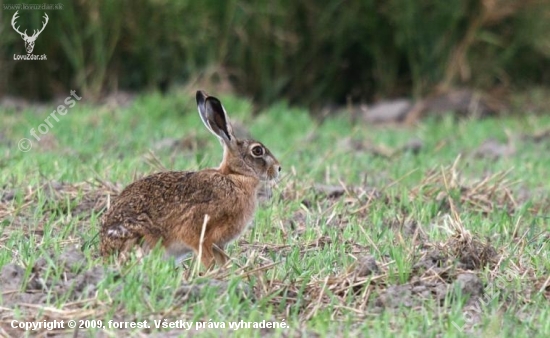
[258, 151]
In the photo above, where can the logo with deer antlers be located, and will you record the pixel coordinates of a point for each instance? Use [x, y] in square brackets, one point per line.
[29, 40]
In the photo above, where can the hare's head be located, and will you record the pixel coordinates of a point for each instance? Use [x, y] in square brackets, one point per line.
[240, 156]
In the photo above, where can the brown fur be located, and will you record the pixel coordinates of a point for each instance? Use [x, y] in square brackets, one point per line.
[170, 207]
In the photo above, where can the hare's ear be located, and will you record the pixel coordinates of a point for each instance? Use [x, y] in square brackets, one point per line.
[214, 117]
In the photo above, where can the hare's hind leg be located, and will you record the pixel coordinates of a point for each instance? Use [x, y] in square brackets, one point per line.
[114, 239]
[117, 246]
[131, 244]
[121, 238]
[108, 246]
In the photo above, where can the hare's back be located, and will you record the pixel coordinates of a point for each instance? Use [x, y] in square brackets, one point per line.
[170, 199]
[157, 193]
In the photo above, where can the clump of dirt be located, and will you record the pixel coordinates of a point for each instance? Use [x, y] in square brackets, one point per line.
[436, 276]
[494, 149]
[462, 102]
[433, 262]
[414, 146]
[412, 294]
[396, 296]
[469, 284]
[297, 222]
[37, 285]
[366, 266]
[194, 292]
[472, 253]
[442, 269]
[11, 277]
[329, 191]
[419, 290]
[407, 226]
[457, 254]
[117, 100]
[462, 251]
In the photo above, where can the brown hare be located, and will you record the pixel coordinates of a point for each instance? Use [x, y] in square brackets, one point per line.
[170, 207]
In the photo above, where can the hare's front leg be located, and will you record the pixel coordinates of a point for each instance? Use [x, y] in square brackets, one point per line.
[207, 254]
[219, 255]
[212, 253]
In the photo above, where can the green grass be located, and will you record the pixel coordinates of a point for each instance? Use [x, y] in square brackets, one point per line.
[298, 261]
